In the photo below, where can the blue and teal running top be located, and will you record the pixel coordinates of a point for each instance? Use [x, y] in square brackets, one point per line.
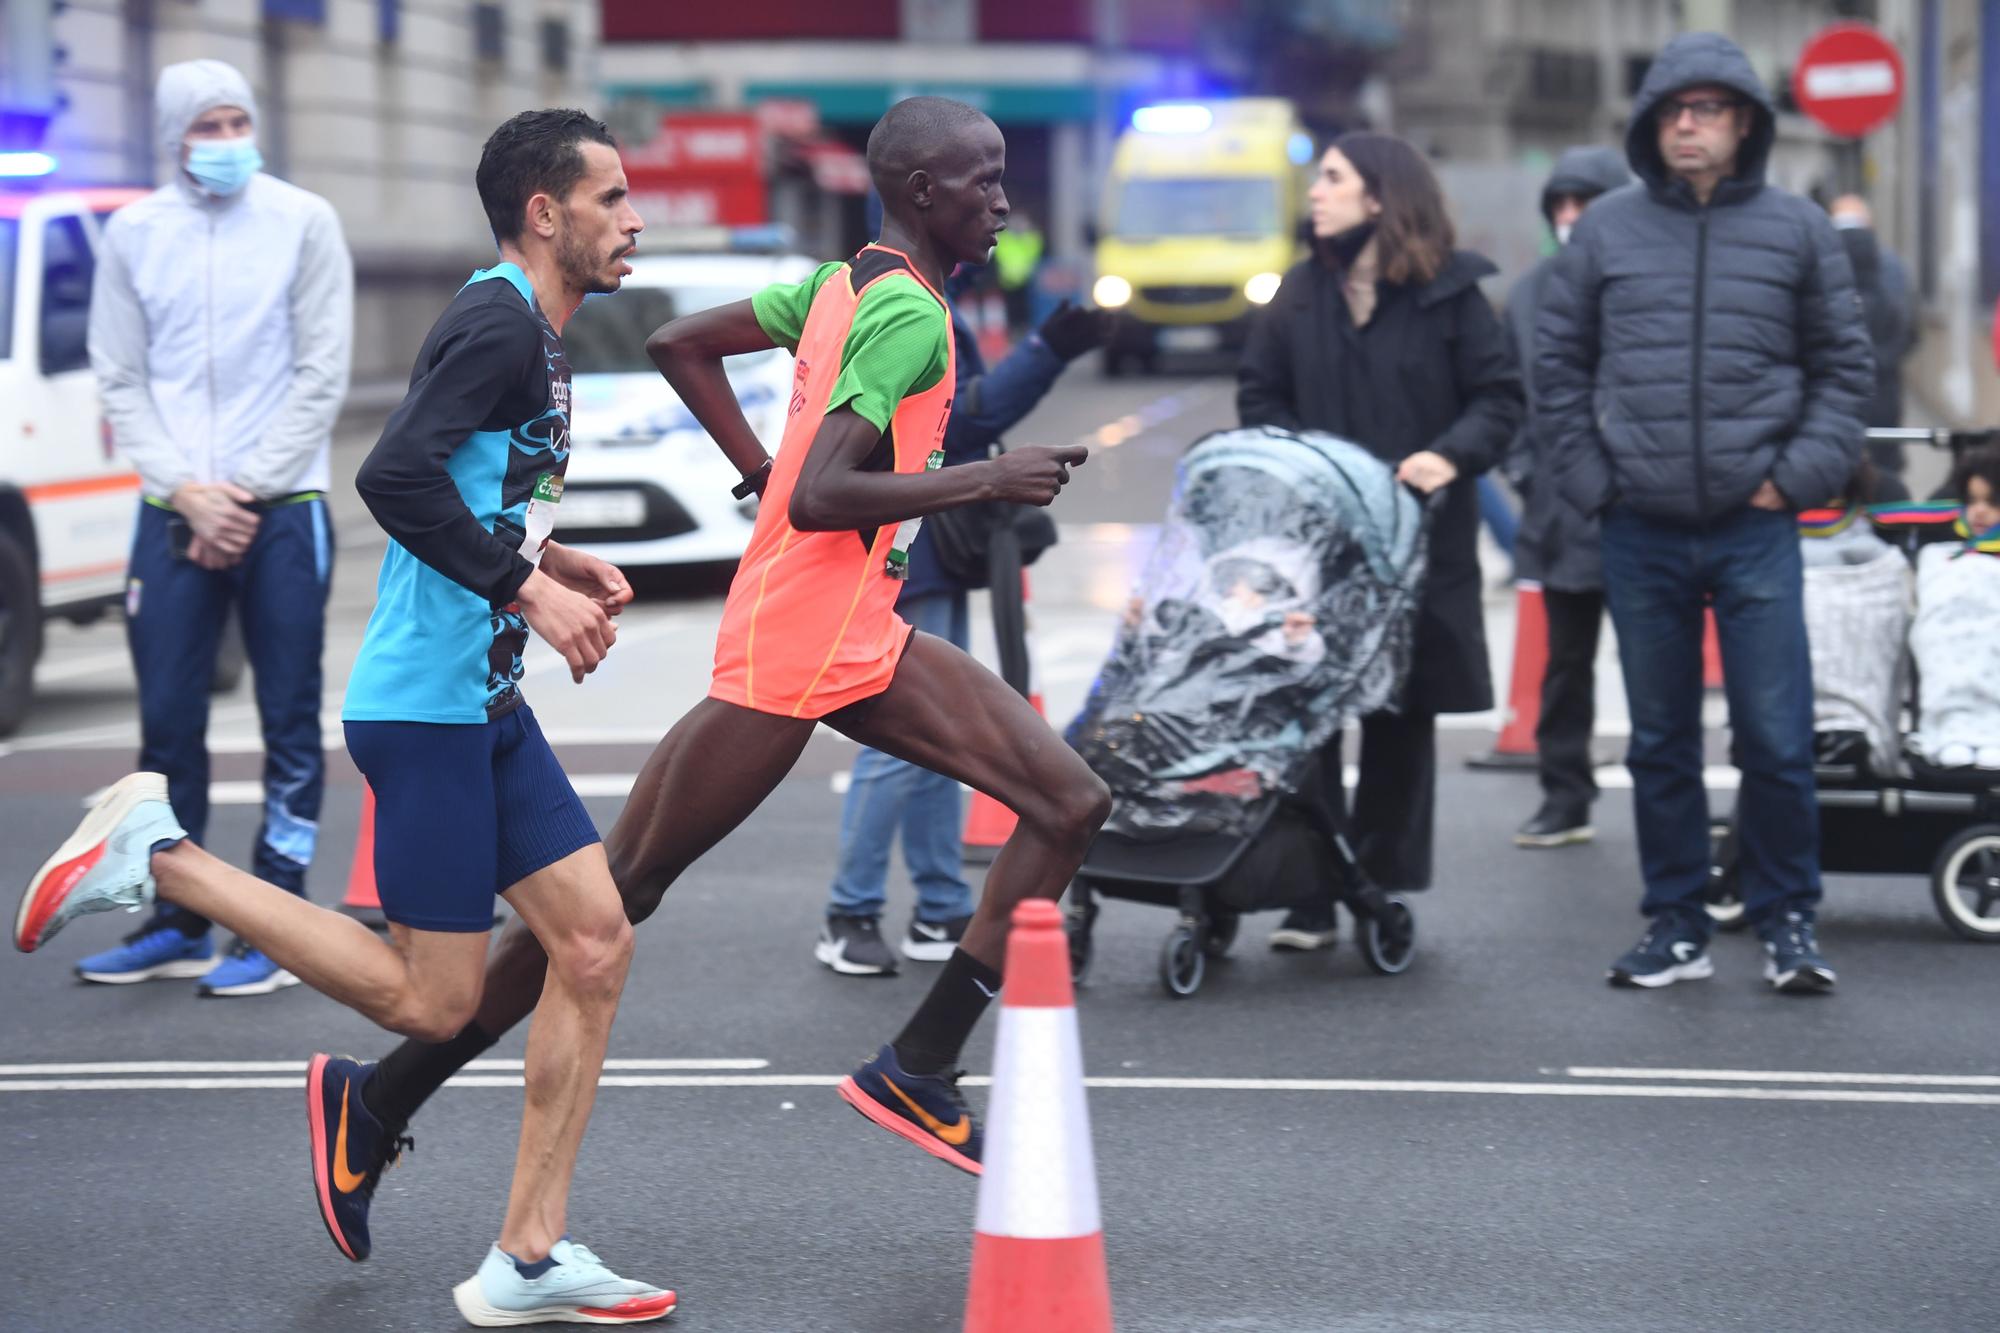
[465, 480]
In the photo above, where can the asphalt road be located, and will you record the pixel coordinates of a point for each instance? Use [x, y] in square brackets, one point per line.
[1492, 1141]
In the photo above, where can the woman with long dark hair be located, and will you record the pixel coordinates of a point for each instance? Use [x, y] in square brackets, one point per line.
[1383, 337]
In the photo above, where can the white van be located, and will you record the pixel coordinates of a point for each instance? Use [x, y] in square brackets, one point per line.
[66, 499]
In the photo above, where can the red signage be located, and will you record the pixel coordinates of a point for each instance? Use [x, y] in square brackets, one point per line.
[1849, 78]
[702, 168]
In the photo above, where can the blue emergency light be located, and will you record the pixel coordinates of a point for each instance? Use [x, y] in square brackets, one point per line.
[1173, 118]
[14, 165]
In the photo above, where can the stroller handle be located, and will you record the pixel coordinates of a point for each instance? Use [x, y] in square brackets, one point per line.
[1937, 437]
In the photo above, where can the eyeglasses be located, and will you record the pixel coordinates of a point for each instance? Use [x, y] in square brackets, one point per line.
[1706, 110]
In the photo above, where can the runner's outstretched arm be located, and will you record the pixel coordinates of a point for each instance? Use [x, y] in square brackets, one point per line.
[835, 494]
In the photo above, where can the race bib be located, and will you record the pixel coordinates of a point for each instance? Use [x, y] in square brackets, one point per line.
[540, 520]
[898, 565]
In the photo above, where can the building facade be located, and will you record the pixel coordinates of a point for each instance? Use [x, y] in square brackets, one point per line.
[379, 105]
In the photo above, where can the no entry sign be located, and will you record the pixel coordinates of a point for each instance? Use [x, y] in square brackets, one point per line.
[1849, 79]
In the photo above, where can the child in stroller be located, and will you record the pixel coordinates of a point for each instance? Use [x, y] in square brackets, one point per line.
[1277, 605]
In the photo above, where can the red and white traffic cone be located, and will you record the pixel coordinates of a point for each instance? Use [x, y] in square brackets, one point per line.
[1711, 653]
[993, 341]
[1515, 746]
[362, 902]
[1038, 1244]
[988, 823]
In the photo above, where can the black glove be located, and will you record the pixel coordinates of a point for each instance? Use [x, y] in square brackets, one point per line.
[1074, 329]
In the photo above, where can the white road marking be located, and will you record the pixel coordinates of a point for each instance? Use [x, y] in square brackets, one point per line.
[1432, 1087]
[1785, 1076]
[299, 1066]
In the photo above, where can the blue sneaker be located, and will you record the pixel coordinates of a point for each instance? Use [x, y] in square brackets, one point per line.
[926, 1109]
[350, 1149]
[1792, 961]
[106, 863]
[1672, 949]
[151, 953]
[579, 1289]
[246, 971]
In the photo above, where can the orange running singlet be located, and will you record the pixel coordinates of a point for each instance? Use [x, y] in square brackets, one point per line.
[810, 625]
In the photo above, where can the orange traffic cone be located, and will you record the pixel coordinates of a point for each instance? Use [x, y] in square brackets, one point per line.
[993, 328]
[1515, 746]
[1038, 1244]
[1711, 653]
[362, 903]
[987, 822]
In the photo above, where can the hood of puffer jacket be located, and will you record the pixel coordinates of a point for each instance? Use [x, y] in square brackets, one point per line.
[1584, 171]
[1690, 59]
[189, 89]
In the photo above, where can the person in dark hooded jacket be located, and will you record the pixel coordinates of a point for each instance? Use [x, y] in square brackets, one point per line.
[1558, 543]
[1384, 338]
[1701, 365]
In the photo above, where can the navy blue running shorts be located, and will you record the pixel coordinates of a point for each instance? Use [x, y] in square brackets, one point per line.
[463, 812]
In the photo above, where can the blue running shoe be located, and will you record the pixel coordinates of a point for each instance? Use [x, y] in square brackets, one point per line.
[926, 1109]
[1672, 949]
[106, 863]
[246, 971]
[1792, 961]
[350, 1149]
[151, 953]
[579, 1289]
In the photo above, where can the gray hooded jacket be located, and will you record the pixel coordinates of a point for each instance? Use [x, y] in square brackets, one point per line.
[221, 328]
[1686, 354]
[1558, 544]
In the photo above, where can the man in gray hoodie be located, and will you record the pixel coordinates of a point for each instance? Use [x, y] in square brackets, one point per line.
[1701, 366]
[1557, 547]
[221, 323]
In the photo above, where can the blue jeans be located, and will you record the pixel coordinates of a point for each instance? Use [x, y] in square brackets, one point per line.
[1658, 578]
[175, 613]
[887, 794]
[1497, 513]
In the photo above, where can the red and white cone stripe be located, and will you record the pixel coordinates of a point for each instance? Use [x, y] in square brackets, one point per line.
[1038, 1242]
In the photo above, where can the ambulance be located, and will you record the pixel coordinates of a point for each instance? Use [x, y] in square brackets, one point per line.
[1200, 219]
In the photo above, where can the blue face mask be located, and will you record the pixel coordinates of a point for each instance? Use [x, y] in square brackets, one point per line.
[224, 166]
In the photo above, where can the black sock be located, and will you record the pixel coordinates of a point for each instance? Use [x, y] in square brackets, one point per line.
[937, 1032]
[413, 1071]
[533, 1270]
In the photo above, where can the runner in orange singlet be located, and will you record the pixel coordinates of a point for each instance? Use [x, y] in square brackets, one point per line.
[810, 633]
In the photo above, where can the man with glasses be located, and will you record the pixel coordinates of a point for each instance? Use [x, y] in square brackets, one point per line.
[1702, 361]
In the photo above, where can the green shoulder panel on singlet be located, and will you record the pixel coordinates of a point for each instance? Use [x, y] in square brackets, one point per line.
[896, 346]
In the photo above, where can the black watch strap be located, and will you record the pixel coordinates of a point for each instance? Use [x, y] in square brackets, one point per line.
[754, 482]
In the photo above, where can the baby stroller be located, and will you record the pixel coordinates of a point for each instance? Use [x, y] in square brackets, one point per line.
[1278, 605]
[1885, 810]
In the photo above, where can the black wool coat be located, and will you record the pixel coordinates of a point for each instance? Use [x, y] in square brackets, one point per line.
[1431, 370]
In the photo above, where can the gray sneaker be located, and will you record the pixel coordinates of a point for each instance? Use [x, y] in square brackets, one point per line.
[853, 947]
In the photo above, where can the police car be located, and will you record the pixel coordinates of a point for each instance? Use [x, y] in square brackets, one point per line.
[645, 485]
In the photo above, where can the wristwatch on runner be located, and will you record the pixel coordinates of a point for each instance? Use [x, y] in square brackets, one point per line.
[753, 482]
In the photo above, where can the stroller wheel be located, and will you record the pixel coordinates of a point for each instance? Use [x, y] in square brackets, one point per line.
[1723, 898]
[1389, 941]
[1965, 883]
[1182, 961]
[1220, 934]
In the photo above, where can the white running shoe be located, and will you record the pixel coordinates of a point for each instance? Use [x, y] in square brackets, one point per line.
[578, 1290]
[106, 863]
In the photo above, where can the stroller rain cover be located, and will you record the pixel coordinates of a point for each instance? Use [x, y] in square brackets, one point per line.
[1279, 604]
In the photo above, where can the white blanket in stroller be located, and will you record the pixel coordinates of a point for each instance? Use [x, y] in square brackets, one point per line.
[1857, 618]
[1956, 643]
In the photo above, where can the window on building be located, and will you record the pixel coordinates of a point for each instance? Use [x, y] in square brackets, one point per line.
[555, 45]
[299, 11]
[388, 21]
[65, 313]
[489, 31]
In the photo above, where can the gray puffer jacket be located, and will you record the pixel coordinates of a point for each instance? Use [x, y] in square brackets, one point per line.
[1685, 354]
